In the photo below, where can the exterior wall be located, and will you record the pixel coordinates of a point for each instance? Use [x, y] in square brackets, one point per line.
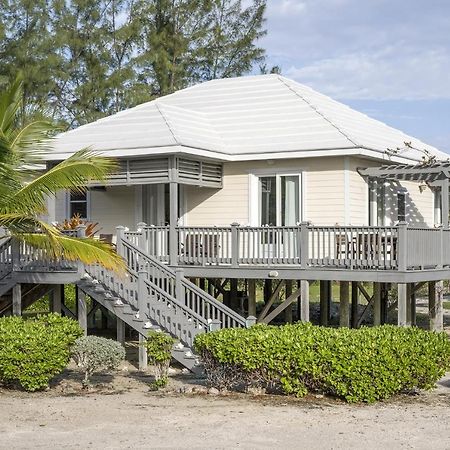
[323, 192]
[115, 206]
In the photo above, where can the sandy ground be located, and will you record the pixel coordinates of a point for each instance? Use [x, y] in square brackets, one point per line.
[120, 412]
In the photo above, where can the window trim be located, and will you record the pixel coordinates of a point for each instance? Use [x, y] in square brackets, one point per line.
[254, 192]
[69, 205]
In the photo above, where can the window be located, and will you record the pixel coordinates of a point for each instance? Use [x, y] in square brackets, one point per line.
[279, 200]
[78, 204]
[401, 207]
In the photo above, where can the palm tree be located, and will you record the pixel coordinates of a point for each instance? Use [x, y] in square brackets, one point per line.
[25, 188]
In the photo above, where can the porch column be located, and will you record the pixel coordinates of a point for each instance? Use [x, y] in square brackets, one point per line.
[304, 300]
[344, 306]
[435, 306]
[376, 304]
[252, 298]
[173, 222]
[82, 310]
[402, 305]
[17, 300]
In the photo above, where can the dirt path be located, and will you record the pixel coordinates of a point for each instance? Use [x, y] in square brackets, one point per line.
[136, 418]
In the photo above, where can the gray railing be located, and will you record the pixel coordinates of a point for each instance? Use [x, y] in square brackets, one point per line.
[175, 285]
[305, 246]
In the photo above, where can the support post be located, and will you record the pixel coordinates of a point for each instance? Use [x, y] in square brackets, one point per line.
[142, 238]
[324, 302]
[173, 222]
[304, 245]
[288, 293]
[56, 299]
[234, 245]
[179, 291]
[402, 305]
[120, 330]
[82, 310]
[17, 300]
[234, 294]
[250, 321]
[252, 298]
[373, 203]
[143, 360]
[355, 295]
[435, 306]
[408, 304]
[142, 293]
[376, 304]
[402, 246]
[304, 300]
[344, 304]
[120, 231]
[81, 231]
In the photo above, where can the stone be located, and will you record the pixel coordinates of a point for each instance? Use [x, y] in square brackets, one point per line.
[213, 391]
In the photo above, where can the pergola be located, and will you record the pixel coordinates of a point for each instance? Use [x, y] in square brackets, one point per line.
[435, 174]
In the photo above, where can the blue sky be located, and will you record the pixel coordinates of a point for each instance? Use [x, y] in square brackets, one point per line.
[387, 58]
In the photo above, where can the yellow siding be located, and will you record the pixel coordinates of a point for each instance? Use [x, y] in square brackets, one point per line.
[323, 196]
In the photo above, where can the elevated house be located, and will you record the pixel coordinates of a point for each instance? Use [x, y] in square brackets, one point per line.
[260, 178]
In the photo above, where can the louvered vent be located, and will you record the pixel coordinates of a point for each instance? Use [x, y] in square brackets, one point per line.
[199, 172]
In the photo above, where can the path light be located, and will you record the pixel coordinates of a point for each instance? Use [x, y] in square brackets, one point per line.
[422, 186]
[147, 325]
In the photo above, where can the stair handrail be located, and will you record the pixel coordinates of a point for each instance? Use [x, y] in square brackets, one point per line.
[234, 319]
[6, 247]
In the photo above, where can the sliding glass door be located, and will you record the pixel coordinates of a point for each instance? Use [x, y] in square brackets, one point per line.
[280, 203]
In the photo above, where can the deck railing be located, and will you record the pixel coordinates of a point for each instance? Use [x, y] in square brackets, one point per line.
[306, 246]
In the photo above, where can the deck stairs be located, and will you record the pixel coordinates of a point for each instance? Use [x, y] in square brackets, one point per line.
[153, 296]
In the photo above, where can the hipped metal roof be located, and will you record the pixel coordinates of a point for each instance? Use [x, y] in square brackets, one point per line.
[255, 117]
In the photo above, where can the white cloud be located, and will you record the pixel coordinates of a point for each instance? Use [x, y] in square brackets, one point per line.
[286, 7]
[390, 73]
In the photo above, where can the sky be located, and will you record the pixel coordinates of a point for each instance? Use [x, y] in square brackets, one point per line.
[389, 59]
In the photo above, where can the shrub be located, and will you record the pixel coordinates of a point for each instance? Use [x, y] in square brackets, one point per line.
[367, 364]
[93, 354]
[33, 351]
[159, 347]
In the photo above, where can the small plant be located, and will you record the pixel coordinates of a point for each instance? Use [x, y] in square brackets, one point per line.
[93, 354]
[33, 351]
[73, 223]
[159, 346]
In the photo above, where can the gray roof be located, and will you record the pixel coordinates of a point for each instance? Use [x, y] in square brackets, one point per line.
[242, 118]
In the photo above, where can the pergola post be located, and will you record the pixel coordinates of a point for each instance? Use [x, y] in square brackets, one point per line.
[444, 201]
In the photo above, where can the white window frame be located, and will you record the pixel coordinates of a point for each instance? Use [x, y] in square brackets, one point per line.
[254, 192]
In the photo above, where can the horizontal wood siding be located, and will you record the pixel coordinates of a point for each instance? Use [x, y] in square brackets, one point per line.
[323, 182]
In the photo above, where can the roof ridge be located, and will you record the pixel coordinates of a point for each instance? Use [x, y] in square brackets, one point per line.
[281, 78]
[167, 122]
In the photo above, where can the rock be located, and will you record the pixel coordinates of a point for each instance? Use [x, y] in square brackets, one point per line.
[213, 391]
[253, 390]
[172, 371]
[199, 390]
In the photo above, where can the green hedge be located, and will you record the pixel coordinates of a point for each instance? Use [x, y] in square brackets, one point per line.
[367, 364]
[33, 351]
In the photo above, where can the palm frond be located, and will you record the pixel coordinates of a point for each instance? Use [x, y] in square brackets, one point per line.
[18, 223]
[87, 251]
[73, 174]
[10, 102]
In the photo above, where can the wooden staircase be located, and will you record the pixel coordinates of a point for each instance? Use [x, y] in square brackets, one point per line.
[152, 296]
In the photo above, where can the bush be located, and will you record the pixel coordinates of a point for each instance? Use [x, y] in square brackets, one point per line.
[159, 354]
[93, 354]
[367, 364]
[33, 351]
